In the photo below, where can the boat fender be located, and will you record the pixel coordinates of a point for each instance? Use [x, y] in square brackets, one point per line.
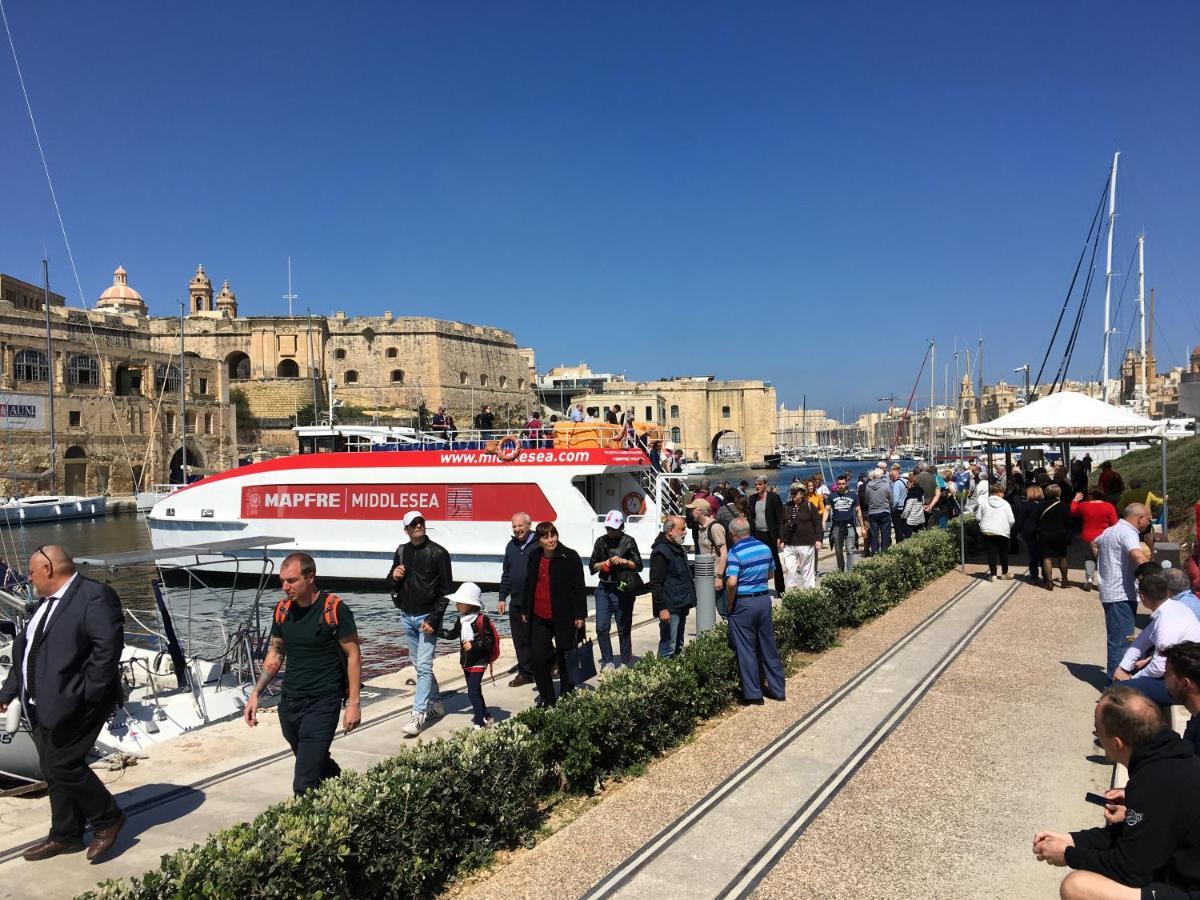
[509, 448]
[12, 719]
[633, 504]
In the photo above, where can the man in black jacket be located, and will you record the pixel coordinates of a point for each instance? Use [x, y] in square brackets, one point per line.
[66, 672]
[1151, 847]
[420, 581]
[615, 560]
[765, 514]
[512, 593]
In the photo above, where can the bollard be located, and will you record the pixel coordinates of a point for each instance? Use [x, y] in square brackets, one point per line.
[705, 570]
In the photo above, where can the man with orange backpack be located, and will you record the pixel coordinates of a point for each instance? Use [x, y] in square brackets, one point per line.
[315, 631]
[480, 646]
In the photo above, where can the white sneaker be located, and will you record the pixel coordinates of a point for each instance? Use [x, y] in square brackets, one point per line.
[415, 724]
[436, 709]
[608, 667]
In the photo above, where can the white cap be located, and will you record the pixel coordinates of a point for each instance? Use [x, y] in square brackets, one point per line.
[614, 519]
[411, 516]
[469, 593]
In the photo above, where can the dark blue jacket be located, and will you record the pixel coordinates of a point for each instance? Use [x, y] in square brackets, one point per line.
[513, 573]
[671, 584]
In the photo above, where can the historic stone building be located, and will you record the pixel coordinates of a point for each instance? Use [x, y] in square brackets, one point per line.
[387, 365]
[116, 413]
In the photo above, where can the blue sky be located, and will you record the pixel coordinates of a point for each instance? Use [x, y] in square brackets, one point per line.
[781, 191]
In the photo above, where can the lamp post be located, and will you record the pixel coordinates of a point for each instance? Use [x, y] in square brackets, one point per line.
[1025, 369]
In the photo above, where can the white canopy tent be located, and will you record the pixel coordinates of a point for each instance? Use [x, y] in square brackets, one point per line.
[1068, 417]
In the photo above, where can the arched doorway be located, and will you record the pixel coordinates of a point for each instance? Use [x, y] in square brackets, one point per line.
[237, 364]
[75, 469]
[288, 368]
[194, 461]
[726, 447]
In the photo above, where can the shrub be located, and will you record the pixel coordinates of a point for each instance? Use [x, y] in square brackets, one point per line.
[974, 537]
[815, 617]
[850, 596]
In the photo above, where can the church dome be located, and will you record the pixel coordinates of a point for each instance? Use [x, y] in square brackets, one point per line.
[121, 297]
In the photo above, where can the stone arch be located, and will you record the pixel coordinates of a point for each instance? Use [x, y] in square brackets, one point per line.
[194, 460]
[237, 364]
[75, 471]
[287, 368]
[724, 443]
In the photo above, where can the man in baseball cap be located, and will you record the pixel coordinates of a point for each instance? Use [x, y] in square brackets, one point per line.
[615, 560]
[420, 581]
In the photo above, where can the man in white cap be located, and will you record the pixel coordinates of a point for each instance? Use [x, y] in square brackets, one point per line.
[420, 581]
[616, 560]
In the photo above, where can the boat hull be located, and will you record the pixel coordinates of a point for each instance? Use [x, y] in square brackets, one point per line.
[16, 514]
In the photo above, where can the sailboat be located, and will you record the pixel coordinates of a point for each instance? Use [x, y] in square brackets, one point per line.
[52, 507]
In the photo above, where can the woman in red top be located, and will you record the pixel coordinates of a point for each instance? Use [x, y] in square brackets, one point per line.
[1097, 515]
[556, 600]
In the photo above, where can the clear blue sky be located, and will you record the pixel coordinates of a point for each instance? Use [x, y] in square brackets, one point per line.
[762, 190]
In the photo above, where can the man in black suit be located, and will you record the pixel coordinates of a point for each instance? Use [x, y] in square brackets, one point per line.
[66, 672]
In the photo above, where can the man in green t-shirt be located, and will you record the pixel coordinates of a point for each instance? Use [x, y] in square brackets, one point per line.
[315, 631]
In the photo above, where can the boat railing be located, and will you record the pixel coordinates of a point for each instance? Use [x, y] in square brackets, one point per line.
[557, 435]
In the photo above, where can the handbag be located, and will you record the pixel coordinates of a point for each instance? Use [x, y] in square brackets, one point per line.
[581, 662]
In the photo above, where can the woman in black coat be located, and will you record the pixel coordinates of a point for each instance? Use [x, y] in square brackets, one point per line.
[1054, 534]
[555, 609]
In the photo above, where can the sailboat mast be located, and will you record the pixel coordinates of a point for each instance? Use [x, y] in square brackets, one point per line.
[1108, 276]
[1144, 386]
[182, 405]
[932, 394]
[50, 376]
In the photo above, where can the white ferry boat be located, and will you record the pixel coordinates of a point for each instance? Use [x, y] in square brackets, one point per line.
[342, 497]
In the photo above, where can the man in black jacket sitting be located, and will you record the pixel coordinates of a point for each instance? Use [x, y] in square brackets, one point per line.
[1151, 846]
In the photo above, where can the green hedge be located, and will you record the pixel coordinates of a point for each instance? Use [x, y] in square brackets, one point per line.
[408, 825]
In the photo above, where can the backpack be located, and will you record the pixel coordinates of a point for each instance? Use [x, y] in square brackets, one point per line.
[493, 636]
[329, 615]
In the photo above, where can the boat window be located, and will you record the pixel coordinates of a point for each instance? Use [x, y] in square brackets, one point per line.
[357, 443]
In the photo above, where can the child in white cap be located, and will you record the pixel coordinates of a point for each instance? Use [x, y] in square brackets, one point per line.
[480, 646]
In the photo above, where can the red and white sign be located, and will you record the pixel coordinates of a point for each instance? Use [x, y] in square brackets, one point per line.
[437, 502]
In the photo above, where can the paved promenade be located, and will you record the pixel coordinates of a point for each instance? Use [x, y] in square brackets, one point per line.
[916, 759]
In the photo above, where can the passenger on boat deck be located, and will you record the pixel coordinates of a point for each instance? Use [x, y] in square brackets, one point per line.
[1151, 844]
[438, 423]
[66, 665]
[485, 422]
[577, 414]
[420, 581]
[315, 632]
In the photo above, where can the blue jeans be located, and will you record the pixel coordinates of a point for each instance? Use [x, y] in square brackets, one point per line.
[753, 638]
[611, 604]
[420, 651]
[671, 634]
[1154, 688]
[880, 531]
[1119, 624]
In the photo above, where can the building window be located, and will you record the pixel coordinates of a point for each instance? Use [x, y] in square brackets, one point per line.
[170, 422]
[74, 418]
[724, 412]
[676, 435]
[351, 377]
[520, 384]
[339, 353]
[462, 377]
[503, 381]
[649, 413]
[483, 380]
[166, 379]
[397, 376]
[83, 370]
[674, 412]
[593, 412]
[208, 419]
[203, 385]
[392, 352]
[30, 365]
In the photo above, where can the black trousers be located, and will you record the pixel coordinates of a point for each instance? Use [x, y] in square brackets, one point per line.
[77, 795]
[475, 693]
[544, 648]
[900, 526]
[308, 725]
[997, 548]
[520, 639]
[765, 537]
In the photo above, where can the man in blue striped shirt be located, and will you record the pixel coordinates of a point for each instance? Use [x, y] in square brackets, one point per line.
[747, 572]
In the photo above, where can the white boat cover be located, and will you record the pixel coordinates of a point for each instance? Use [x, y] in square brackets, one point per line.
[1067, 416]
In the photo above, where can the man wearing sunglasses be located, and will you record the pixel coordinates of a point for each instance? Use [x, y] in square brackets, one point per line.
[66, 673]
